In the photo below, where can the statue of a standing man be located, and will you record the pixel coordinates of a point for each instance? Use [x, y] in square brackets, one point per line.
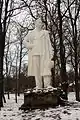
[39, 55]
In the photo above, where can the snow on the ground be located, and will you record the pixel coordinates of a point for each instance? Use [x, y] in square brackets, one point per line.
[11, 111]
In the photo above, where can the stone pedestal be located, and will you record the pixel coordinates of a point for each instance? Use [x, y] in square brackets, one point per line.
[41, 98]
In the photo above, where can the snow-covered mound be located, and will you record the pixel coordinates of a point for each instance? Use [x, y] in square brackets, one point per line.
[11, 111]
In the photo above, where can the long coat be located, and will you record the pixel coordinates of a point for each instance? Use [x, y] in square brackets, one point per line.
[38, 43]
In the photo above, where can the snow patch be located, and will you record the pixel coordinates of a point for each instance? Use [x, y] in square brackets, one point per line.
[11, 111]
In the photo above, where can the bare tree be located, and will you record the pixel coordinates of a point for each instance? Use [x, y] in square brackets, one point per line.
[3, 25]
[7, 8]
[74, 29]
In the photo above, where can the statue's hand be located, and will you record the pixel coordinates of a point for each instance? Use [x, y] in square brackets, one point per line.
[29, 45]
[49, 64]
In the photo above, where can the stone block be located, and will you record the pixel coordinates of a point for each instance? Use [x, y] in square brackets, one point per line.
[41, 99]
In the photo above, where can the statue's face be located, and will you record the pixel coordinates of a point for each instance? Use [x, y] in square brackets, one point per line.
[39, 24]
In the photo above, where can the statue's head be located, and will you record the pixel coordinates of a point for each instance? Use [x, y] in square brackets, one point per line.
[38, 23]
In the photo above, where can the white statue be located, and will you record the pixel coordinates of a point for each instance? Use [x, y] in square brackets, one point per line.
[39, 55]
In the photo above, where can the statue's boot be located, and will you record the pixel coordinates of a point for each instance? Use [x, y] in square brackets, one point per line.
[47, 81]
[38, 80]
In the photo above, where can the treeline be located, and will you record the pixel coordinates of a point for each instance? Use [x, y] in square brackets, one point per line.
[25, 82]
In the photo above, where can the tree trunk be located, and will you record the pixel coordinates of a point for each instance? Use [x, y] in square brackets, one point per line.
[1, 81]
[62, 54]
[21, 41]
[1, 70]
[54, 59]
[76, 65]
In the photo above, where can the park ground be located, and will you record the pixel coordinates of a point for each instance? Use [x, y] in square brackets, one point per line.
[11, 111]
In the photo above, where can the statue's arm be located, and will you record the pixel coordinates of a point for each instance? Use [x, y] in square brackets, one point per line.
[27, 42]
[49, 44]
[51, 50]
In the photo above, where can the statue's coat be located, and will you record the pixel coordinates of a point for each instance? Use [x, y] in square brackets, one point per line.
[38, 43]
